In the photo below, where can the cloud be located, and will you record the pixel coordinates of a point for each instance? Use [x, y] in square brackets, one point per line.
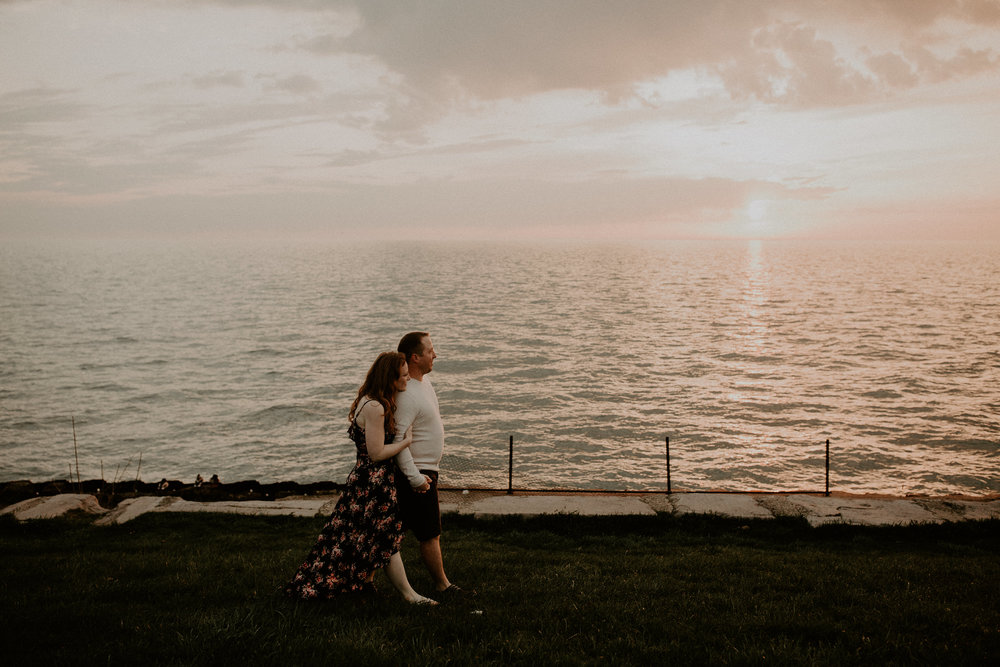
[792, 66]
[511, 49]
[983, 12]
[297, 84]
[960, 218]
[895, 16]
[220, 79]
[34, 106]
[446, 113]
[769, 51]
[27, 151]
[296, 5]
[893, 69]
[504, 208]
[964, 63]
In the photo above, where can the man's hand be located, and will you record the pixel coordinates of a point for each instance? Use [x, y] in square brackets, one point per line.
[425, 487]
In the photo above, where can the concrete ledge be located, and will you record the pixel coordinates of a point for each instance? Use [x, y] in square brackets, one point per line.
[250, 507]
[535, 505]
[820, 510]
[722, 504]
[961, 510]
[816, 509]
[130, 509]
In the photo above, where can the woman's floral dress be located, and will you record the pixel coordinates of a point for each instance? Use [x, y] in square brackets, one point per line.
[362, 534]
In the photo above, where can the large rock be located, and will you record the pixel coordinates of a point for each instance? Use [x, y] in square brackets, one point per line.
[130, 509]
[16, 491]
[49, 507]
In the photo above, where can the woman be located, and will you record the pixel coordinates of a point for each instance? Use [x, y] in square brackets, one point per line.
[364, 531]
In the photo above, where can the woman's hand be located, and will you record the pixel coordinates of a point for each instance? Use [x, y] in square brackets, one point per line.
[407, 439]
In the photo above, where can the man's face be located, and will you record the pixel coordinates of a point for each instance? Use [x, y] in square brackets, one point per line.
[425, 360]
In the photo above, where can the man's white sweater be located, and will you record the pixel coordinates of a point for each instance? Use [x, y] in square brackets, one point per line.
[418, 405]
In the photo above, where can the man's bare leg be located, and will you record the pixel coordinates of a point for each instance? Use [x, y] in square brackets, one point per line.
[430, 552]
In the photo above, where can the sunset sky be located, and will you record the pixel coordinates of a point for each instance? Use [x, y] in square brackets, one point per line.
[473, 119]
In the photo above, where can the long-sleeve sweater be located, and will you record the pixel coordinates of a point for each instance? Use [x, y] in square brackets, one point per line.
[418, 405]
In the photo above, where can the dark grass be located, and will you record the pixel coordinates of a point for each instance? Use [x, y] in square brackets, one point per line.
[203, 589]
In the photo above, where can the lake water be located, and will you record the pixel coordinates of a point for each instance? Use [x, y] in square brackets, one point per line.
[241, 359]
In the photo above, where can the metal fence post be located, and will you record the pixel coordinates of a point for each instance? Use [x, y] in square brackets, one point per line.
[828, 466]
[510, 467]
[668, 465]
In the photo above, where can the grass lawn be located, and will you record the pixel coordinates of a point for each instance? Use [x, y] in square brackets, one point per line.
[202, 589]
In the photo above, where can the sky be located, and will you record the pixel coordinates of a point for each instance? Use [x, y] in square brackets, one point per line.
[467, 119]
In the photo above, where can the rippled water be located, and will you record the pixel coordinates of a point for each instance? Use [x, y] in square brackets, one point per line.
[242, 360]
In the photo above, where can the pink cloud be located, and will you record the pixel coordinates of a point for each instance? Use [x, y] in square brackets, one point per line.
[771, 51]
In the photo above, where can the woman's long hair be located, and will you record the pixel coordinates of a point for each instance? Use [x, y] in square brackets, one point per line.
[380, 385]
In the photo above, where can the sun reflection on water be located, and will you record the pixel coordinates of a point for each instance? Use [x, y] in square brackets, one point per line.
[756, 292]
[751, 332]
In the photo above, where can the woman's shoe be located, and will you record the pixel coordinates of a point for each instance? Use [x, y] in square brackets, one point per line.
[421, 600]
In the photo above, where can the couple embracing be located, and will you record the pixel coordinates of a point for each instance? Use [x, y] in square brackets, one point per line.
[396, 426]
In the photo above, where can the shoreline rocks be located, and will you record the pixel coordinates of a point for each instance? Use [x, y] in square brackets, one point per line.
[110, 494]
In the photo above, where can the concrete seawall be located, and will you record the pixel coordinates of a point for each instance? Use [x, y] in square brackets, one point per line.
[817, 509]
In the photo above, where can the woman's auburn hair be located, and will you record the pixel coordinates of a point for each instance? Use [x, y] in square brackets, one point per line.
[380, 384]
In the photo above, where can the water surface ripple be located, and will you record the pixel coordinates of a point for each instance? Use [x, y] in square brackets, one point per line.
[241, 360]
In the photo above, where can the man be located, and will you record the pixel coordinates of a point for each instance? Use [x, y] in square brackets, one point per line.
[418, 465]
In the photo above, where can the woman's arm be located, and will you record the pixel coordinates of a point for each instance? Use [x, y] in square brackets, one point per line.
[374, 415]
[398, 445]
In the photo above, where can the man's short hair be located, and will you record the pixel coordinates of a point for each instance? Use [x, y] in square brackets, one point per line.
[412, 343]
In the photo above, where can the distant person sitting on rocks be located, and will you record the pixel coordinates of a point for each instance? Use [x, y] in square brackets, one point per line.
[365, 531]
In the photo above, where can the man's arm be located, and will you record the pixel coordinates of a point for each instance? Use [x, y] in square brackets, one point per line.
[406, 465]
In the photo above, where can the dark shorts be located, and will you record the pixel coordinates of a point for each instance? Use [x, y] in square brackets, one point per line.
[420, 512]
